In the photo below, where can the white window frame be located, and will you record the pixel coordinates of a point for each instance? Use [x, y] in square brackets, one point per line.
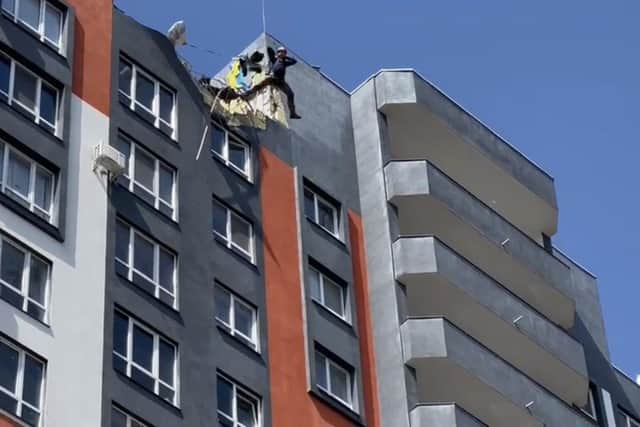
[155, 192]
[17, 393]
[155, 108]
[330, 363]
[344, 295]
[155, 361]
[224, 156]
[26, 272]
[129, 418]
[33, 168]
[234, 406]
[228, 238]
[591, 403]
[39, 82]
[129, 264]
[40, 32]
[317, 198]
[230, 326]
[629, 420]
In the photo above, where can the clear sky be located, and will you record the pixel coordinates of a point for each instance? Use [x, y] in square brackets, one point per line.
[560, 80]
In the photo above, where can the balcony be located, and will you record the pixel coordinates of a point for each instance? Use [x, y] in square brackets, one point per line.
[429, 202]
[423, 123]
[450, 366]
[442, 416]
[439, 282]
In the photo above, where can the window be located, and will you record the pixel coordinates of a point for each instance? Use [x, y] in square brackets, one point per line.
[239, 318]
[26, 182]
[329, 293]
[232, 151]
[148, 97]
[591, 409]
[146, 263]
[148, 177]
[333, 379]
[41, 17]
[628, 421]
[120, 418]
[235, 231]
[29, 94]
[21, 383]
[145, 356]
[237, 407]
[24, 279]
[321, 211]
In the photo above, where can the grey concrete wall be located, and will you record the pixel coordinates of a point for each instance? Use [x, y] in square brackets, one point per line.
[402, 178]
[369, 133]
[427, 255]
[406, 86]
[438, 338]
[442, 416]
[203, 347]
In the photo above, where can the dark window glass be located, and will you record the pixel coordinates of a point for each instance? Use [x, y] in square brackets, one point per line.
[43, 189]
[122, 242]
[124, 78]
[52, 24]
[166, 270]
[309, 204]
[8, 367]
[167, 359]
[217, 139]
[166, 105]
[243, 319]
[29, 13]
[18, 174]
[38, 277]
[321, 372]
[145, 91]
[222, 305]
[48, 104]
[225, 396]
[142, 348]
[246, 408]
[143, 256]
[240, 233]
[166, 184]
[145, 169]
[120, 331]
[33, 372]
[326, 216]
[118, 419]
[24, 88]
[238, 155]
[5, 74]
[11, 265]
[219, 219]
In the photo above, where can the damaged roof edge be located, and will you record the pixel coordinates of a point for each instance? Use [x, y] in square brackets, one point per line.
[460, 107]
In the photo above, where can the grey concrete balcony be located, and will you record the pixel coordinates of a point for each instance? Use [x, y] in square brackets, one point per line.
[429, 202]
[423, 123]
[443, 416]
[451, 366]
[439, 282]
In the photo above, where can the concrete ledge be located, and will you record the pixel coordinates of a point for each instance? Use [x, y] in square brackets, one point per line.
[443, 416]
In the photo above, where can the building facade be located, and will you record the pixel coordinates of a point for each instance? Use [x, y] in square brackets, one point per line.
[385, 261]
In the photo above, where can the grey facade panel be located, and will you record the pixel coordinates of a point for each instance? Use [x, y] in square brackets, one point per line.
[204, 349]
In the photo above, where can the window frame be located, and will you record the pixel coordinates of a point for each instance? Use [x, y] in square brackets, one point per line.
[251, 342]
[591, 403]
[34, 166]
[17, 394]
[157, 164]
[629, 420]
[131, 268]
[335, 209]
[224, 156]
[40, 32]
[129, 419]
[26, 276]
[344, 293]
[228, 238]
[40, 81]
[328, 363]
[234, 398]
[155, 107]
[155, 368]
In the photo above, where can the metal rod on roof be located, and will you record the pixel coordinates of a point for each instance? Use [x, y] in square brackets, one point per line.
[264, 18]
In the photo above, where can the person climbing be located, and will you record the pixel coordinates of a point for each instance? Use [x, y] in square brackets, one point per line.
[276, 77]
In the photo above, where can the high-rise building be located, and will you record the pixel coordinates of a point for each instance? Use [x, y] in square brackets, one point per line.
[387, 260]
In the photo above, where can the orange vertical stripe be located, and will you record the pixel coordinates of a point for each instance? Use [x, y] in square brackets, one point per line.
[361, 288]
[291, 404]
[92, 52]
[5, 421]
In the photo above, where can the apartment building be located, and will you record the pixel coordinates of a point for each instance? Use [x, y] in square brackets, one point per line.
[385, 261]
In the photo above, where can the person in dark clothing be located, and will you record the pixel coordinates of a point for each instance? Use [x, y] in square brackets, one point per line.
[276, 78]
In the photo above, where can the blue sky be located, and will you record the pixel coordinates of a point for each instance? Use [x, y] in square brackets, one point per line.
[558, 79]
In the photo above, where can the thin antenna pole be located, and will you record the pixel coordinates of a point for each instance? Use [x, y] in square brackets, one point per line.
[264, 18]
